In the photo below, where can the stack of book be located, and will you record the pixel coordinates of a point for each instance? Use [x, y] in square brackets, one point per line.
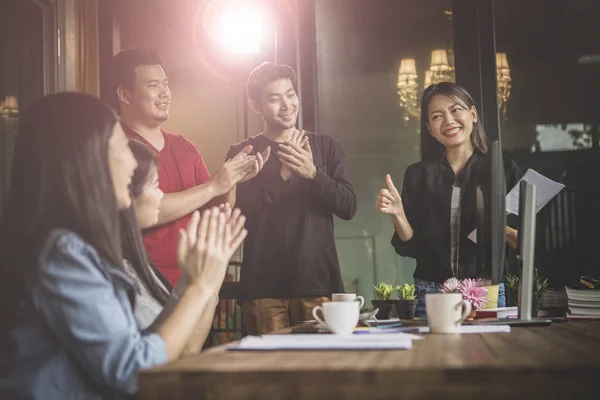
[502, 312]
[584, 299]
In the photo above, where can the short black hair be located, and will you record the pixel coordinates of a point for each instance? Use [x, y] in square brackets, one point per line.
[266, 73]
[122, 70]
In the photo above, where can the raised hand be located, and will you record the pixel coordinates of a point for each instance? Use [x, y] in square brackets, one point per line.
[234, 170]
[298, 158]
[259, 163]
[235, 221]
[205, 257]
[187, 240]
[299, 138]
[388, 200]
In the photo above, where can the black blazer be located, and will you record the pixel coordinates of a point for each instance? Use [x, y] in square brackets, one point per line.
[426, 196]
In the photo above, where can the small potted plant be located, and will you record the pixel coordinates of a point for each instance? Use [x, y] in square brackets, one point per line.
[511, 282]
[407, 303]
[383, 291]
[540, 286]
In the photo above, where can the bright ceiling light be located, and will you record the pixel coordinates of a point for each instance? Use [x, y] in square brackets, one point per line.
[239, 26]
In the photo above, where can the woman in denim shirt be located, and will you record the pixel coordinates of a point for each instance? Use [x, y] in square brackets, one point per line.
[68, 329]
[437, 210]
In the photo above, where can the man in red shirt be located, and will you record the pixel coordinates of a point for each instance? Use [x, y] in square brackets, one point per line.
[142, 95]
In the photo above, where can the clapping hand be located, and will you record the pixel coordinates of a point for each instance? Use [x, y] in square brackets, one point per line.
[235, 169]
[296, 155]
[298, 137]
[259, 162]
[206, 246]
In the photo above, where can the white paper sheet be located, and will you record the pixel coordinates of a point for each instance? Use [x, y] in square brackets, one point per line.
[476, 329]
[546, 189]
[324, 342]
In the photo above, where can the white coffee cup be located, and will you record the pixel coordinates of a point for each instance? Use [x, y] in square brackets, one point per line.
[446, 311]
[348, 297]
[341, 317]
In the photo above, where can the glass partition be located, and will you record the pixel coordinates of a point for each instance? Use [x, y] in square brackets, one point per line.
[372, 64]
[550, 121]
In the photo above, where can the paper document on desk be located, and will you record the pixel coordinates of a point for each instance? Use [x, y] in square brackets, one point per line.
[324, 342]
[545, 190]
[475, 329]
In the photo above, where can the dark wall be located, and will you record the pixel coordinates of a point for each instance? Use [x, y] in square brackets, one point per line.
[21, 51]
[544, 41]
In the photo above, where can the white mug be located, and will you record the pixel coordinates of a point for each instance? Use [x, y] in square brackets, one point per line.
[446, 311]
[341, 317]
[348, 297]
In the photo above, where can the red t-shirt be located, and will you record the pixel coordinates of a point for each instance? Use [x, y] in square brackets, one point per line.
[180, 167]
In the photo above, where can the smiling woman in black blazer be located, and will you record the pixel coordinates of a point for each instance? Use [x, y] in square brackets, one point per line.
[437, 209]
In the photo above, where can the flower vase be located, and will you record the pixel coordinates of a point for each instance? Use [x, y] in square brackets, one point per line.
[492, 296]
[471, 316]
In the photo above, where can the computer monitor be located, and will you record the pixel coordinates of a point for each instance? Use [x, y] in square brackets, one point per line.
[492, 223]
[491, 215]
[526, 243]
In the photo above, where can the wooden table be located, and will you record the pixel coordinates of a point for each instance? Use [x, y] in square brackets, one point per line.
[560, 361]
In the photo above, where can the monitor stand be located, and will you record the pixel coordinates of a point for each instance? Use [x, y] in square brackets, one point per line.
[527, 211]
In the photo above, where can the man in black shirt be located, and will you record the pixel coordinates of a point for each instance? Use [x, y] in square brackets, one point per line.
[290, 261]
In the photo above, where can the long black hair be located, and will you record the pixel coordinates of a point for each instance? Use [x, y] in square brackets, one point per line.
[131, 236]
[60, 179]
[431, 149]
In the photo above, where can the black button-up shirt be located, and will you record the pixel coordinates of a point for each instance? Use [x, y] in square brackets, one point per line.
[426, 196]
[290, 248]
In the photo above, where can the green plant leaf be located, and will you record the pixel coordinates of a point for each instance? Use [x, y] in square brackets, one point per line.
[406, 292]
[383, 291]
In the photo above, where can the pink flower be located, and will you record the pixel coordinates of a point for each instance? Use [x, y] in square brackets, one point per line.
[472, 293]
[450, 286]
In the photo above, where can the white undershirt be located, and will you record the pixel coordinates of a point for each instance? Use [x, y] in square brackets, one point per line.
[147, 308]
[454, 225]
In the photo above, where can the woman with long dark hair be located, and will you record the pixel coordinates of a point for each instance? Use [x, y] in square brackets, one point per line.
[437, 209]
[153, 289]
[68, 329]
[153, 299]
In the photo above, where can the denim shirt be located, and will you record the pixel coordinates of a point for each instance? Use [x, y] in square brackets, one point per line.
[75, 335]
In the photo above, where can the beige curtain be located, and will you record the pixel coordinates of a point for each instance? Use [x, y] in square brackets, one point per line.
[86, 25]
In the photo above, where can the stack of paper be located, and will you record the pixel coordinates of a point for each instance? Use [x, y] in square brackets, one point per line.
[365, 341]
[546, 189]
[583, 303]
[475, 329]
[392, 341]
